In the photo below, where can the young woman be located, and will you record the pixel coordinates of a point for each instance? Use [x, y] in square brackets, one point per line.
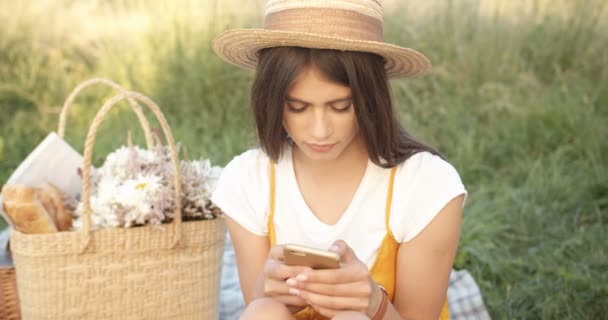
[335, 170]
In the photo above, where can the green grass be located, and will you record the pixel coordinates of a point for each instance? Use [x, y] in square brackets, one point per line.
[517, 100]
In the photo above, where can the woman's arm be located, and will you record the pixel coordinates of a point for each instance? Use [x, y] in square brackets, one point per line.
[261, 271]
[424, 264]
[251, 251]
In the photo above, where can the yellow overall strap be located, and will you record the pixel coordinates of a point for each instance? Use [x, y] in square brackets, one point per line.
[389, 202]
[391, 243]
[271, 233]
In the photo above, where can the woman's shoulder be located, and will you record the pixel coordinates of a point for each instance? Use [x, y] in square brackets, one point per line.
[247, 163]
[251, 157]
[255, 159]
[423, 185]
[426, 165]
[248, 169]
[242, 190]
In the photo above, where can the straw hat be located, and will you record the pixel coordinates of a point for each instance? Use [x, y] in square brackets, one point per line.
[351, 25]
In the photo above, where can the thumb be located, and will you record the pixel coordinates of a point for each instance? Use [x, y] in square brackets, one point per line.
[346, 253]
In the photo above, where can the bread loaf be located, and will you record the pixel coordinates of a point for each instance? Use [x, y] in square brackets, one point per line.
[52, 199]
[28, 215]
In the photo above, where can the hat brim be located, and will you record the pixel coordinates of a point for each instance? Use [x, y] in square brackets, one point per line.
[240, 47]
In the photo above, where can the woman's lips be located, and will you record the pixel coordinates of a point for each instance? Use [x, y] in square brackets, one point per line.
[321, 147]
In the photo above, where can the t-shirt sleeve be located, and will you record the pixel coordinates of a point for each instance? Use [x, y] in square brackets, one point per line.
[424, 184]
[242, 191]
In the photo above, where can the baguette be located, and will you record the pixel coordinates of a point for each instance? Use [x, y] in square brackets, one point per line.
[52, 199]
[25, 210]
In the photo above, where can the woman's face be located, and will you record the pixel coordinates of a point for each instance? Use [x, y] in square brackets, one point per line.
[319, 116]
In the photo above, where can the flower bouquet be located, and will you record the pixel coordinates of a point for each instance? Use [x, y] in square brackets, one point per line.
[133, 188]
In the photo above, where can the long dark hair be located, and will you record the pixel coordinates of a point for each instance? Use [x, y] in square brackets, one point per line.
[387, 142]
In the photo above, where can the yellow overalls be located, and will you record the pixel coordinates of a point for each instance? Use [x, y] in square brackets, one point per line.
[383, 271]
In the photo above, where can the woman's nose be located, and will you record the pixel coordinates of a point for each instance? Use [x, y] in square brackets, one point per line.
[321, 126]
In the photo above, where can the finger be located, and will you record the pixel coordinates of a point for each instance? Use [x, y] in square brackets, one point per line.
[280, 271]
[347, 255]
[333, 303]
[276, 252]
[360, 289]
[273, 287]
[290, 300]
[280, 291]
[349, 273]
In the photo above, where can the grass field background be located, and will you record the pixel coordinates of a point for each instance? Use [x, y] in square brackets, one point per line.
[517, 100]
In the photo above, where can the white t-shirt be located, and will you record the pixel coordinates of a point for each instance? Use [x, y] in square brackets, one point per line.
[423, 185]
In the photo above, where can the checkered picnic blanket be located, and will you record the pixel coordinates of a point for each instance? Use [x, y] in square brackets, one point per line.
[3, 240]
[464, 298]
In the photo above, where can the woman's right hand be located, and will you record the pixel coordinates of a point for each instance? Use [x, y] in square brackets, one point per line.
[273, 278]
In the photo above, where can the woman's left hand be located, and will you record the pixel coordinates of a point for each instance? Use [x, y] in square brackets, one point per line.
[331, 291]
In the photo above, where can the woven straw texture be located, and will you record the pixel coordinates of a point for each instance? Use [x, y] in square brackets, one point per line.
[170, 271]
[9, 300]
[352, 25]
[123, 274]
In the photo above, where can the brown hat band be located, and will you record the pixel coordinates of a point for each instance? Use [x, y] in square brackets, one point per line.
[344, 23]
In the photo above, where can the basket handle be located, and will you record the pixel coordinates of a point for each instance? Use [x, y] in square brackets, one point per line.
[88, 155]
[136, 107]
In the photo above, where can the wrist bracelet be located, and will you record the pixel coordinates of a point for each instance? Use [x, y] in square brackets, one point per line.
[383, 305]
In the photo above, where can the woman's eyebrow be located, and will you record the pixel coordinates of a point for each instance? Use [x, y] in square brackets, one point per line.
[292, 99]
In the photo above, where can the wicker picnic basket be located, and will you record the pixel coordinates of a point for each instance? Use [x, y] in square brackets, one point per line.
[9, 301]
[9, 298]
[171, 271]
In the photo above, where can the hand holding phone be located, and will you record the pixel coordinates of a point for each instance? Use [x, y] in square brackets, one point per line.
[297, 255]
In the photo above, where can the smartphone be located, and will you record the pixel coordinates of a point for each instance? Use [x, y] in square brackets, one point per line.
[296, 255]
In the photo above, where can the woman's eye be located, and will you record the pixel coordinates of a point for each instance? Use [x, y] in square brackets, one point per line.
[342, 107]
[295, 108]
